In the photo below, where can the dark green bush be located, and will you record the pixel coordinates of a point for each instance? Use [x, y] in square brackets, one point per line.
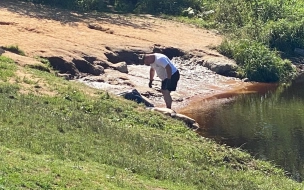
[286, 35]
[231, 14]
[83, 5]
[257, 61]
[172, 7]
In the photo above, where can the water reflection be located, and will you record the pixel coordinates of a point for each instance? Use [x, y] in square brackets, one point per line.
[269, 123]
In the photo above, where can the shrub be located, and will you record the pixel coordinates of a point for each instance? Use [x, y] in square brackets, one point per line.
[257, 61]
[286, 35]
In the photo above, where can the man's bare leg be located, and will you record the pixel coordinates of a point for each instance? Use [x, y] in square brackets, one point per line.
[167, 98]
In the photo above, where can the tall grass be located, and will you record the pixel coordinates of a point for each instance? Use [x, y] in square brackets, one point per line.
[7, 68]
[257, 62]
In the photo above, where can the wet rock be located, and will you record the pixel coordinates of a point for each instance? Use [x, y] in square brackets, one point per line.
[170, 52]
[96, 70]
[165, 111]
[299, 51]
[121, 67]
[245, 80]
[188, 12]
[148, 102]
[195, 126]
[220, 65]
[184, 118]
[130, 55]
[1, 51]
[300, 77]
[97, 79]
[65, 76]
[134, 95]
[104, 64]
[64, 65]
[191, 123]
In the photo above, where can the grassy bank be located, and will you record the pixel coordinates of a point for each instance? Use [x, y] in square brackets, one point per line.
[56, 134]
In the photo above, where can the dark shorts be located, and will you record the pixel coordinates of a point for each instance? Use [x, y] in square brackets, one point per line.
[173, 82]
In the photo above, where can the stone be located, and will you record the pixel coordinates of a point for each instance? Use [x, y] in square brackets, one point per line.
[96, 70]
[185, 118]
[1, 51]
[188, 12]
[195, 126]
[65, 76]
[104, 64]
[120, 66]
[134, 95]
[222, 66]
[299, 51]
[165, 111]
[191, 123]
[245, 80]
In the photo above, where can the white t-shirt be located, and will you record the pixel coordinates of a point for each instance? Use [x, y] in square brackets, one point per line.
[159, 65]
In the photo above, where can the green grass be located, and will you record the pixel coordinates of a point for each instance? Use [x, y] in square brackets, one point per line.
[7, 68]
[14, 49]
[77, 141]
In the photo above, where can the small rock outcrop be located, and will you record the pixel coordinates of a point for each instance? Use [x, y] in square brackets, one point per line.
[134, 95]
[191, 123]
[220, 65]
[120, 66]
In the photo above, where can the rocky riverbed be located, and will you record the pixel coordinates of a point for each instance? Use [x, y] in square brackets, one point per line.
[80, 46]
[196, 82]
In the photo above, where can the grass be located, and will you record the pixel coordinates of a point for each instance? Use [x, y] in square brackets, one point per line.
[14, 49]
[7, 68]
[84, 138]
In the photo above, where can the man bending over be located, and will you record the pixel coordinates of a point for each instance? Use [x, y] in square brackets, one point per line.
[166, 71]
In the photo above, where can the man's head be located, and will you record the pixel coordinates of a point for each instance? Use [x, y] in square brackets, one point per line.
[148, 59]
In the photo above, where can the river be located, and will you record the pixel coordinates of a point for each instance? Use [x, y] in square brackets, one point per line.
[268, 122]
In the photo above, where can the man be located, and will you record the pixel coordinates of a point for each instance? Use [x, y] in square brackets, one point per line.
[166, 71]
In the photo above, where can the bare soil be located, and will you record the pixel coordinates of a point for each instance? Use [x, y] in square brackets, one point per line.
[51, 32]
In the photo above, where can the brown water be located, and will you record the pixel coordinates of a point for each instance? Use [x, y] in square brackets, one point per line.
[266, 120]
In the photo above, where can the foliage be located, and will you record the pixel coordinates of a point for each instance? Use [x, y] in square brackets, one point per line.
[286, 35]
[171, 7]
[7, 68]
[82, 5]
[40, 67]
[257, 61]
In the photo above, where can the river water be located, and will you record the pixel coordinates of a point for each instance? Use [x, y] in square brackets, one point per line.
[269, 124]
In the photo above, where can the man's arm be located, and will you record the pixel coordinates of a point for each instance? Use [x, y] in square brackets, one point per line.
[152, 73]
[169, 71]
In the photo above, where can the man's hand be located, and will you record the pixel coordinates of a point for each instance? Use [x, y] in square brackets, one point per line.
[150, 83]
